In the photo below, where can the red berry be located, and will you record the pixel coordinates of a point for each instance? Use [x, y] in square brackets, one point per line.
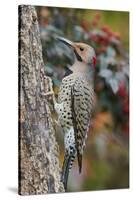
[126, 105]
[85, 25]
[94, 23]
[98, 16]
[117, 35]
[105, 28]
[122, 90]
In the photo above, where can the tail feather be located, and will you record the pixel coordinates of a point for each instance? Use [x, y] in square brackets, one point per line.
[65, 171]
[79, 162]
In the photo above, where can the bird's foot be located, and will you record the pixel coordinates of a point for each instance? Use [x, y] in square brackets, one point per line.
[48, 93]
[56, 122]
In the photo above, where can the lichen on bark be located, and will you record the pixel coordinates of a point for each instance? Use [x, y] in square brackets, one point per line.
[39, 170]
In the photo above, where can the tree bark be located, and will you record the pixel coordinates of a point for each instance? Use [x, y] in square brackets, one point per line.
[39, 170]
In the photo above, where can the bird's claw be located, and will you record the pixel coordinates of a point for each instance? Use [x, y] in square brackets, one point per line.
[48, 93]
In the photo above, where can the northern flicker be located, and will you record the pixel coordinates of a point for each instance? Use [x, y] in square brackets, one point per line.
[75, 104]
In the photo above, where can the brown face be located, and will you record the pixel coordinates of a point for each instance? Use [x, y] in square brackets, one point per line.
[83, 52]
[86, 52]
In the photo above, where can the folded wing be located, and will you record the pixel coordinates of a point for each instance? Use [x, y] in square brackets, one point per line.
[82, 95]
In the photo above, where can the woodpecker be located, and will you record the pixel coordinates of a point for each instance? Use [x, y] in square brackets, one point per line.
[75, 104]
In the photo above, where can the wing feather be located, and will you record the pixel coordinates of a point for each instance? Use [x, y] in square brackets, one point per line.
[82, 104]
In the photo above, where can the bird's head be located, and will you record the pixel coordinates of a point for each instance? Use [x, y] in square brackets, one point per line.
[83, 52]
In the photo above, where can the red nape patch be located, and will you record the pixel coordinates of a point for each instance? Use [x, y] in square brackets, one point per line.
[94, 61]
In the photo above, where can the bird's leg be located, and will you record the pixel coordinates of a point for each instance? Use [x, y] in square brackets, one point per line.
[51, 91]
[52, 94]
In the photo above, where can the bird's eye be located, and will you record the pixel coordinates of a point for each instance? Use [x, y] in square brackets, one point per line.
[81, 49]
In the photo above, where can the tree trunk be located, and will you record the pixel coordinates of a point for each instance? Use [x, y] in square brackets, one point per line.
[39, 170]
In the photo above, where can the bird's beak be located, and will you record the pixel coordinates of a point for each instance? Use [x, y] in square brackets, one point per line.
[70, 44]
[65, 41]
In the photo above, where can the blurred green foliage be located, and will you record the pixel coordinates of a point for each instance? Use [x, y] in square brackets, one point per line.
[118, 21]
